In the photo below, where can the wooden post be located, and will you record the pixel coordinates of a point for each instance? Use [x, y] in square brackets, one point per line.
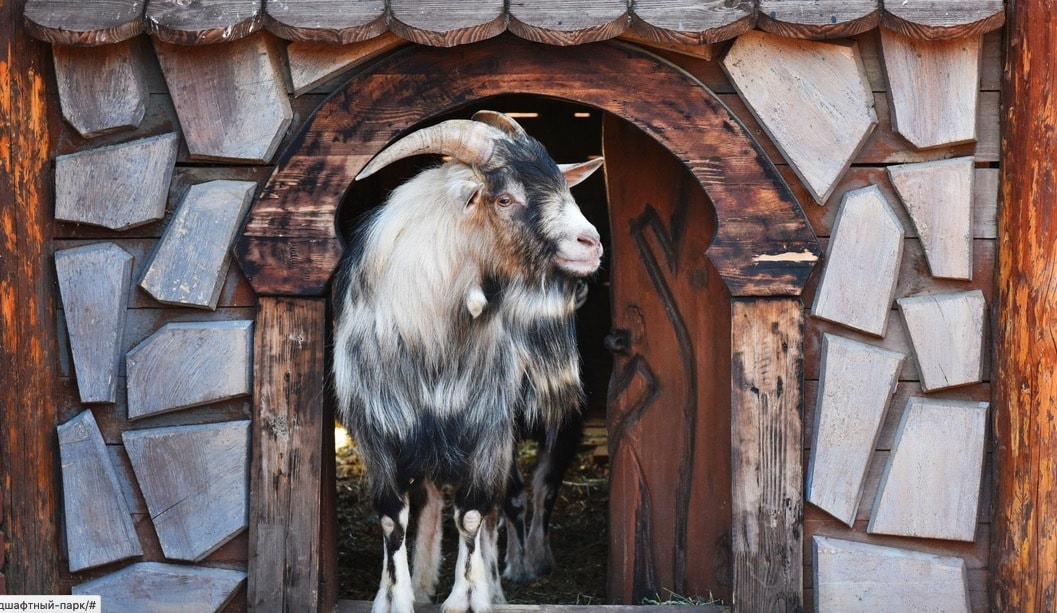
[766, 439]
[28, 444]
[1024, 384]
[285, 556]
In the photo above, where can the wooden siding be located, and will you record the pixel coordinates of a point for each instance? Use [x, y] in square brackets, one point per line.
[883, 147]
[445, 23]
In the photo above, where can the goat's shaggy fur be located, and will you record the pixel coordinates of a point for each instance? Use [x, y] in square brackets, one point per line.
[454, 328]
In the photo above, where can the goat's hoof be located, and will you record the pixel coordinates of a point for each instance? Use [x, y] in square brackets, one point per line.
[518, 575]
[393, 601]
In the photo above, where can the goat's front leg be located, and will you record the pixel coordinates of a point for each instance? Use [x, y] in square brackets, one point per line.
[395, 594]
[472, 588]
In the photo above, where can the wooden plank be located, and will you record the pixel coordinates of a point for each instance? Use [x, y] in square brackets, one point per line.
[447, 23]
[852, 576]
[947, 331]
[94, 283]
[669, 501]
[312, 64]
[812, 99]
[817, 19]
[1024, 547]
[766, 470]
[287, 437]
[191, 261]
[99, 526]
[203, 21]
[29, 465]
[101, 89]
[230, 99]
[691, 22]
[155, 586]
[939, 197]
[862, 261]
[856, 385]
[187, 364]
[116, 187]
[574, 22]
[195, 481]
[753, 253]
[337, 22]
[943, 19]
[699, 51]
[933, 86]
[931, 485]
[74, 22]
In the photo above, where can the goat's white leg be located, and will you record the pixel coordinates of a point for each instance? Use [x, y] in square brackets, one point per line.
[394, 592]
[471, 589]
[426, 565]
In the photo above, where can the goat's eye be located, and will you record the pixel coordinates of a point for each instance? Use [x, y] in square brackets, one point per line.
[504, 200]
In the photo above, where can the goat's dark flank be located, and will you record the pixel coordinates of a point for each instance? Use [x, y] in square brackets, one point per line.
[454, 336]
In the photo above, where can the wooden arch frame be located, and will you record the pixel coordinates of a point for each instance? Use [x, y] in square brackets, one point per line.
[764, 249]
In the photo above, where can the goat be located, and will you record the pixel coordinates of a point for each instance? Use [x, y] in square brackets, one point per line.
[452, 326]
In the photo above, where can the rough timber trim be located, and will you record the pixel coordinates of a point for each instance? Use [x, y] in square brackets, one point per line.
[453, 22]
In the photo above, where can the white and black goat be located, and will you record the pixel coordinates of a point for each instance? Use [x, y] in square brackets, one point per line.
[453, 331]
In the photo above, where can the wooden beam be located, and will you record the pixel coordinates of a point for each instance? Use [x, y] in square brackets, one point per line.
[1023, 543]
[28, 361]
[767, 343]
[285, 550]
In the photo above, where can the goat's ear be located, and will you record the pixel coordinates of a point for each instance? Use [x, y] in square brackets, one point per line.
[467, 193]
[576, 173]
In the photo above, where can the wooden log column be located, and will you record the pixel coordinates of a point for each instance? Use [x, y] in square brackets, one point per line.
[1023, 541]
[285, 473]
[28, 448]
[767, 357]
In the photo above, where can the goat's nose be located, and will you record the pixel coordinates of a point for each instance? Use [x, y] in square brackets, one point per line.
[589, 239]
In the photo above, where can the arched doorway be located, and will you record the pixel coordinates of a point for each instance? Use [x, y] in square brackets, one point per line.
[762, 252]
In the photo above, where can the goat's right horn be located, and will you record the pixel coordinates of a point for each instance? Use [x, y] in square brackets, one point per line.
[470, 142]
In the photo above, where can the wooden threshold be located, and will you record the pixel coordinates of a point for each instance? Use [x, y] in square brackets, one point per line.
[364, 606]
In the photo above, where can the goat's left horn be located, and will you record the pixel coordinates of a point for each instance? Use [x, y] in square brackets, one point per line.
[470, 142]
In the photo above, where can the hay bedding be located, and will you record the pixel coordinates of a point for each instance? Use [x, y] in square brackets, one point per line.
[579, 534]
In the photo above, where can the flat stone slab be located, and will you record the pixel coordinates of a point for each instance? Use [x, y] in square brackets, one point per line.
[230, 98]
[156, 586]
[195, 481]
[862, 263]
[812, 98]
[861, 577]
[99, 528]
[116, 187]
[947, 332]
[187, 364]
[191, 261]
[855, 387]
[930, 487]
[933, 86]
[94, 283]
[938, 196]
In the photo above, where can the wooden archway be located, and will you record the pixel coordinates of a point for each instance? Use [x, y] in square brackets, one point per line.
[764, 250]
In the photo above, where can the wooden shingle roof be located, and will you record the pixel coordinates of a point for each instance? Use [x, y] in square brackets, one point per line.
[446, 23]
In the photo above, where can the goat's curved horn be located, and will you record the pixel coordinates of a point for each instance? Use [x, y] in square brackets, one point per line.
[470, 142]
[502, 121]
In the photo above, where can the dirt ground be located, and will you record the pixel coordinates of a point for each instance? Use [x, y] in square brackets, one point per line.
[579, 535]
